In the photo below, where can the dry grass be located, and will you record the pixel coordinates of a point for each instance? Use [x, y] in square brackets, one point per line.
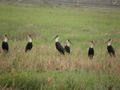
[43, 58]
[5, 88]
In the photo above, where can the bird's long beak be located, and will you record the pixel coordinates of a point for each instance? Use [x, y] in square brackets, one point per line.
[55, 37]
[69, 41]
[6, 36]
[92, 42]
[108, 41]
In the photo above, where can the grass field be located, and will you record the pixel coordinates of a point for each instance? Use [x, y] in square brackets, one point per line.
[43, 68]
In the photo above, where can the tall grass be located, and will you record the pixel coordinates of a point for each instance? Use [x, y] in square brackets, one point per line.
[77, 80]
[43, 58]
[43, 69]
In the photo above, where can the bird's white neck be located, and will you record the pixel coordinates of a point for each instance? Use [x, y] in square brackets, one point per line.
[92, 46]
[5, 39]
[109, 43]
[29, 39]
[67, 43]
[57, 39]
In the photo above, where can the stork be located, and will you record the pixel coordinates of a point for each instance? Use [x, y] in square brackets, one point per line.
[29, 44]
[91, 50]
[58, 45]
[67, 46]
[5, 45]
[110, 48]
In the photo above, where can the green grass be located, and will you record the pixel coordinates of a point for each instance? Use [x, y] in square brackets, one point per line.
[43, 68]
[79, 80]
[73, 23]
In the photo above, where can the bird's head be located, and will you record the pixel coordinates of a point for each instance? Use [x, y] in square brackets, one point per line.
[56, 38]
[5, 35]
[68, 42]
[29, 35]
[5, 38]
[109, 41]
[92, 43]
[29, 38]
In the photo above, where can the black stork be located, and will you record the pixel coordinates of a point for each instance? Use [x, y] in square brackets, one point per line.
[5, 45]
[29, 44]
[58, 45]
[91, 50]
[110, 48]
[67, 46]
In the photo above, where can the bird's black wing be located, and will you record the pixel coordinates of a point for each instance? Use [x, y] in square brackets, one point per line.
[28, 46]
[59, 47]
[67, 49]
[5, 46]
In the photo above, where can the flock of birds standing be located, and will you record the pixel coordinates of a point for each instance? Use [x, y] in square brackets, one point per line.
[66, 48]
[59, 47]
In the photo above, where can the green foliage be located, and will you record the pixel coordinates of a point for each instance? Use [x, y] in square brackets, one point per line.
[80, 80]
